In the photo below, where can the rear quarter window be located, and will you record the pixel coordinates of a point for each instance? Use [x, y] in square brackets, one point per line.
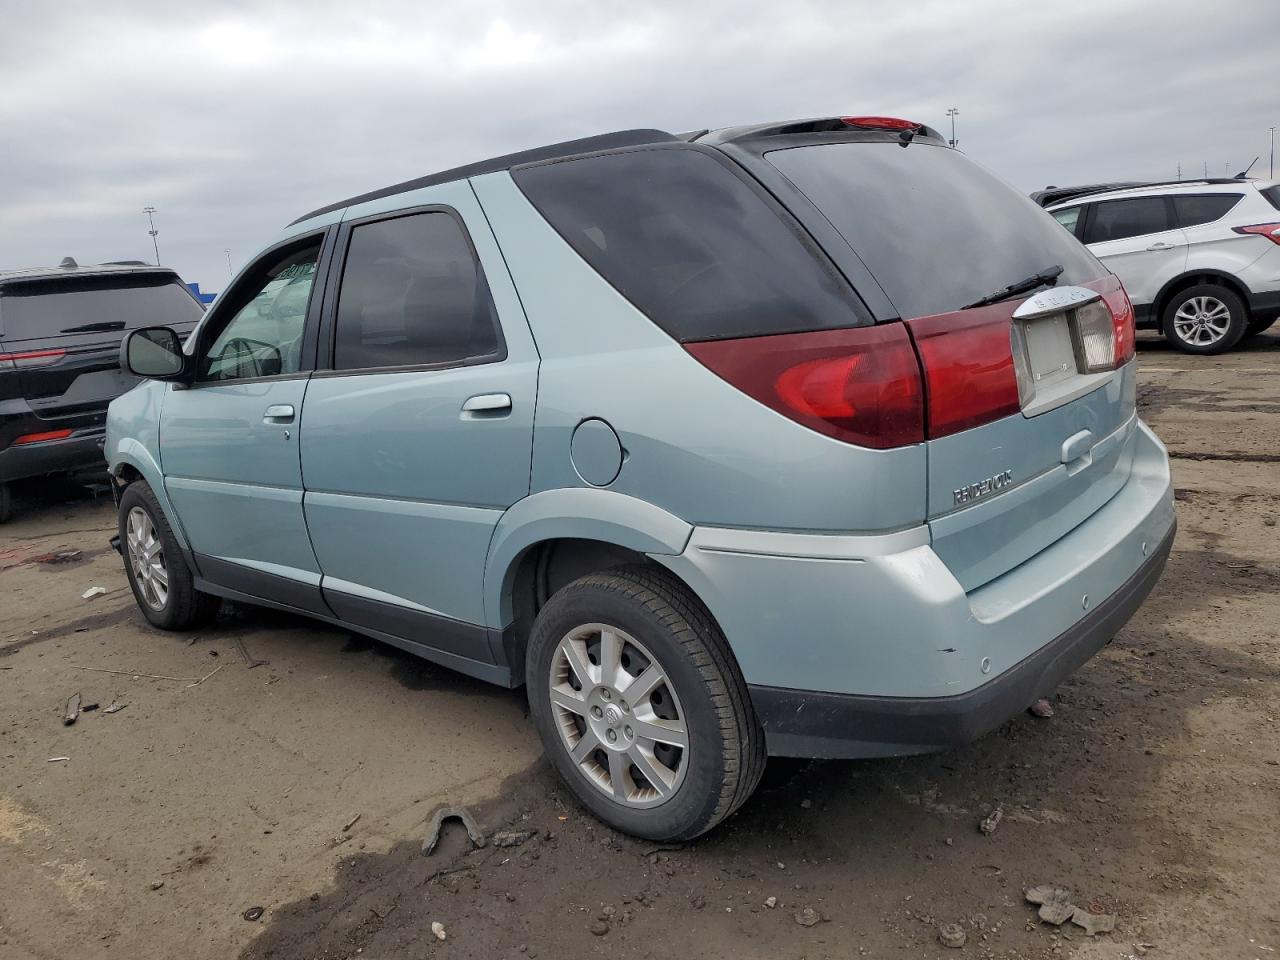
[1273, 195]
[36, 309]
[935, 229]
[695, 247]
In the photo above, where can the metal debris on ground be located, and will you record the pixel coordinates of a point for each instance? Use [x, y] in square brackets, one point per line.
[808, 917]
[253, 913]
[115, 707]
[989, 823]
[951, 935]
[72, 711]
[59, 556]
[436, 821]
[93, 592]
[770, 902]
[510, 838]
[1041, 708]
[249, 661]
[89, 708]
[1093, 922]
[206, 676]
[1054, 902]
[437, 928]
[57, 759]
[157, 884]
[351, 823]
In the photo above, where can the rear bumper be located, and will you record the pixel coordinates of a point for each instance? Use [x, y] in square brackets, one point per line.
[80, 451]
[800, 723]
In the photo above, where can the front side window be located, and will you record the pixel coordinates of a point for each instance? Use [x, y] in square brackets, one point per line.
[1121, 219]
[1069, 218]
[413, 294]
[263, 338]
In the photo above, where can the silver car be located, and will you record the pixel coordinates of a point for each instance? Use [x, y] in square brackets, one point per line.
[805, 439]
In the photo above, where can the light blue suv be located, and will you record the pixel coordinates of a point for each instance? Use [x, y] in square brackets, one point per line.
[804, 439]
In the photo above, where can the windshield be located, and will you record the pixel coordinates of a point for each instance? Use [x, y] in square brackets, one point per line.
[935, 229]
[48, 308]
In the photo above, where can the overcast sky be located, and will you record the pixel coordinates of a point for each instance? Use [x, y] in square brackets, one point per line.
[234, 118]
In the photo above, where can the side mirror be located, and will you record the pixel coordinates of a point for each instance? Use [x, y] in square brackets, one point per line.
[153, 352]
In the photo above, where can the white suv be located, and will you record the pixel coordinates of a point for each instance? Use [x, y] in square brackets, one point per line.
[1199, 259]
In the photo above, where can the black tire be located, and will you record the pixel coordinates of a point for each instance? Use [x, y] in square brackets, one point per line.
[1237, 323]
[6, 503]
[1257, 326]
[184, 606]
[726, 753]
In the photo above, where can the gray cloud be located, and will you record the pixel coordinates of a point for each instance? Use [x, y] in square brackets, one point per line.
[234, 118]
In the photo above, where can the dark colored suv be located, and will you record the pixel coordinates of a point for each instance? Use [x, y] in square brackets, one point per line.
[60, 333]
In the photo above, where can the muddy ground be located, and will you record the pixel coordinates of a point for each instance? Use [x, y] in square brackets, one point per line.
[1152, 793]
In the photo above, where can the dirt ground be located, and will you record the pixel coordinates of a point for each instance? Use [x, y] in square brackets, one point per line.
[1152, 793]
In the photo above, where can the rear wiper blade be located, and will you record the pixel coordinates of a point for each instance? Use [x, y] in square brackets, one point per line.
[103, 325]
[1045, 278]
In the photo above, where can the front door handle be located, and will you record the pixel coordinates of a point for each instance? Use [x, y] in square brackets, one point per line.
[488, 403]
[278, 413]
[1161, 245]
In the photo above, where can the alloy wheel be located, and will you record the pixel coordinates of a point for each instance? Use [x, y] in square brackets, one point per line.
[618, 715]
[146, 557]
[1202, 321]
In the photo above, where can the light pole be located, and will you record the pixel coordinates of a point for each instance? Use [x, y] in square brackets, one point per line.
[951, 112]
[227, 251]
[153, 231]
[1272, 175]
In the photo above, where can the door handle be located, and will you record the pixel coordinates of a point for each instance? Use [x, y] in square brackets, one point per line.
[1161, 245]
[278, 413]
[488, 403]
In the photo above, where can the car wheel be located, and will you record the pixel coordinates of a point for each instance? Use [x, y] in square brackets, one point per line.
[1256, 327]
[640, 706]
[1205, 319]
[6, 503]
[162, 582]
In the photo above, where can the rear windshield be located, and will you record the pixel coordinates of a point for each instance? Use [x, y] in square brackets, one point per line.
[935, 229]
[50, 308]
[704, 255]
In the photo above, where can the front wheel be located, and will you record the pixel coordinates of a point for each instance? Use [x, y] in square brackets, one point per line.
[162, 582]
[640, 706]
[1205, 319]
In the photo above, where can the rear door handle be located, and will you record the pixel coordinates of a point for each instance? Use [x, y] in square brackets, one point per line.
[490, 403]
[1162, 246]
[278, 413]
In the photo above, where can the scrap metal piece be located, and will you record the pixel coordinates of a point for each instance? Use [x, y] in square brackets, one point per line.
[1055, 903]
[72, 711]
[436, 822]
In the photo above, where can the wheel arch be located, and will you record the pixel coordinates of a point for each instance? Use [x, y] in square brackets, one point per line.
[1191, 278]
[132, 462]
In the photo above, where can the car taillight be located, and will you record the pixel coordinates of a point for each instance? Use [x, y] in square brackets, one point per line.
[860, 385]
[33, 358]
[880, 123]
[1269, 230]
[1122, 325]
[968, 367]
[41, 437]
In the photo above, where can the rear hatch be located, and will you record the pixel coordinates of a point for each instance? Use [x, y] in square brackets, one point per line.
[1029, 398]
[60, 337]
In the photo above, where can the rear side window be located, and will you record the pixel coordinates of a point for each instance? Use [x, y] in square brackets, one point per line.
[413, 294]
[935, 229]
[692, 245]
[1273, 195]
[1121, 219]
[1192, 210]
[51, 308]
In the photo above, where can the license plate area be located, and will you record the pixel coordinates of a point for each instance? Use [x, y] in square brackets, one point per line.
[1048, 361]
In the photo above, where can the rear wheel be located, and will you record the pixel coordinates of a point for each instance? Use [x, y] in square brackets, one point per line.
[1205, 319]
[162, 583]
[640, 706]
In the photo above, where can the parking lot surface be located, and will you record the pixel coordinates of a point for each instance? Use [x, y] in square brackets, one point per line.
[302, 785]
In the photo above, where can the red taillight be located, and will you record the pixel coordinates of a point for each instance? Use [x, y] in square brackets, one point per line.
[1122, 317]
[968, 367]
[42, 437]
[33, 358]
[860, 385]
[1269, 230]
[880, 123]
